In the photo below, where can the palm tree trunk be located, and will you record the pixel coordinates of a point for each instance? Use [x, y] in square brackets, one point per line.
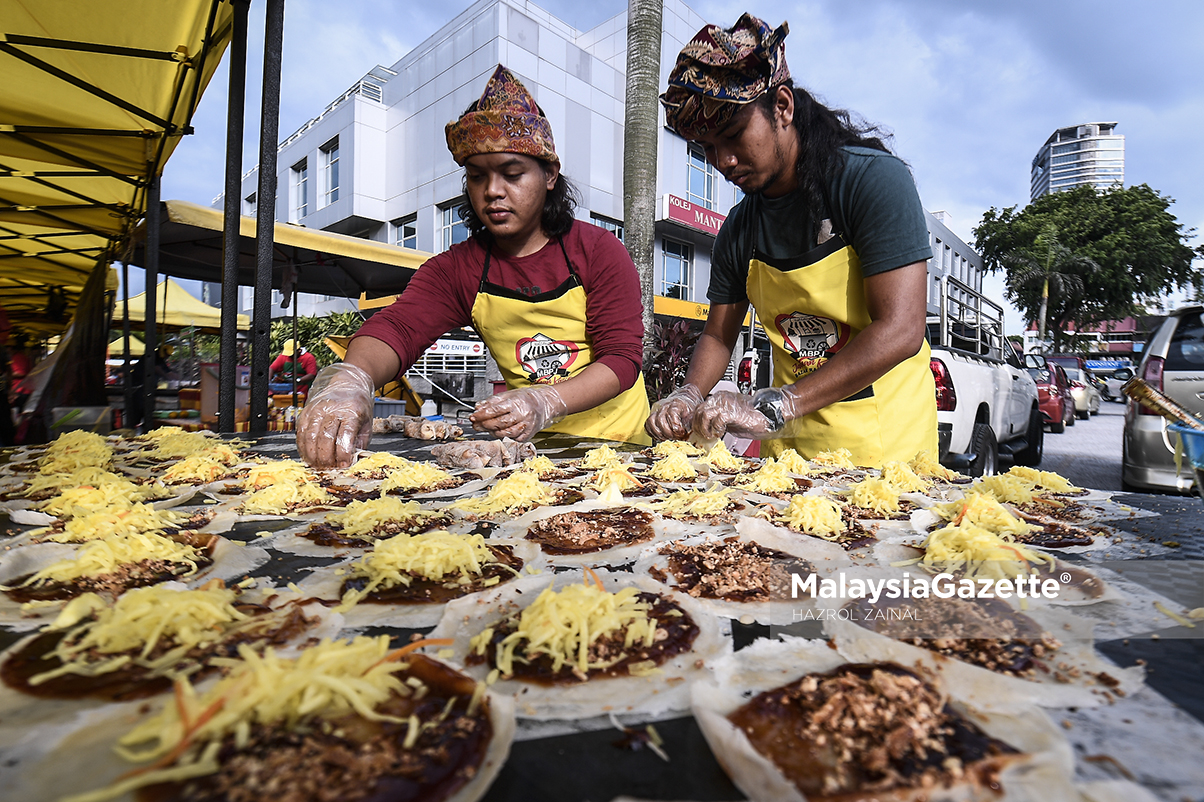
[639, 142]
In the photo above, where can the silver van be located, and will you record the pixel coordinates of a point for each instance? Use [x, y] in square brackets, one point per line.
[1173, 363]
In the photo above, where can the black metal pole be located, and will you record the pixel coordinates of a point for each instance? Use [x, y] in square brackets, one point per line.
[273, 39]
[150, 376]
[127, 375]
[231, 238]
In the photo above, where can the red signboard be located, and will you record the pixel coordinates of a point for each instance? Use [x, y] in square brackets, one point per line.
[686, 213]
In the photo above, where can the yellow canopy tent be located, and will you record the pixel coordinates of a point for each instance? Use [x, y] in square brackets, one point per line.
[190, 246]
[94, 97]
[175, 308]
[117, 347]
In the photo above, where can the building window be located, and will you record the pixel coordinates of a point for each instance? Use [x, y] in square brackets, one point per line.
[678, 273]
[613, 226]
[451, 227]
[406, 231]
[300, 189]
[700, 184]
[249, 207]
[330, 172]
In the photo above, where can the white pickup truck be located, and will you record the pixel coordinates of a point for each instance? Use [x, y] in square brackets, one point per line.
[986, 401]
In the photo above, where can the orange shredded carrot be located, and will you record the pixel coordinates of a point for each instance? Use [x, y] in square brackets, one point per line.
[1016, 551]
[961, 515]
[185, 741]
[397, 654]
[594, 577]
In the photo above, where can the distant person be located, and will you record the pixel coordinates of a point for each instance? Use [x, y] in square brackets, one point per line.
[161, 372]
[294, 360]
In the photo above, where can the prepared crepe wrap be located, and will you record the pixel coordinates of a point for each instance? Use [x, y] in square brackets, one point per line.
[658, 691]
[1040, 772]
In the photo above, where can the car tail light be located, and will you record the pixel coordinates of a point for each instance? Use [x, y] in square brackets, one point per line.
[1152, 375]
[946, 396]
[744, 371]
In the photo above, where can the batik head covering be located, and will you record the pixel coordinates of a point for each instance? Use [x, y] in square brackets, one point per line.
[505, 120]
[720, 71]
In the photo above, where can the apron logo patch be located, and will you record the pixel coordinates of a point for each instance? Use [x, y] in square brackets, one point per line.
[810, 339]
[545, 360]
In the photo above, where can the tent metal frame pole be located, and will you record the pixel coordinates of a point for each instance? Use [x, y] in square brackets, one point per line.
[231, 236]
[265, 201]
[150, 376]
[127, 377]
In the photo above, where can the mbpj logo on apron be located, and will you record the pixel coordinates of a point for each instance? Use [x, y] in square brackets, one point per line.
[545, 360]
[810, 339]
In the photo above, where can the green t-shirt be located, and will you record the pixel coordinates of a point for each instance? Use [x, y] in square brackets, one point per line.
[876, 209]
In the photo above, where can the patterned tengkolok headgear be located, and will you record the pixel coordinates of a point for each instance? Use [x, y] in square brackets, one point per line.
[720, 71]
[505, 120]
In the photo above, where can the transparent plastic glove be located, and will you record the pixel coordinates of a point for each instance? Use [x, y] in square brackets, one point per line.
[671, 417]
[336, 421]
[519, 413]
[759, 416]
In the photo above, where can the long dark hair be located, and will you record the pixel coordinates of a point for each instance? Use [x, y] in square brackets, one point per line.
[822, 132]
[558, 208]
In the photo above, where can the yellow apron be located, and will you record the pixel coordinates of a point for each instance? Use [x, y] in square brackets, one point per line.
[541, 340]
[811, 306]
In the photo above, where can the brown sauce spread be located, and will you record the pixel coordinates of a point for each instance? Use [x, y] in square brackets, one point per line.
[325, 534]
[422, 590]
[861, 730]
[352, 759]
[585, 532]
[131, 575]
[680, 632]
[733, 570]
[984, 632]
[132, 681]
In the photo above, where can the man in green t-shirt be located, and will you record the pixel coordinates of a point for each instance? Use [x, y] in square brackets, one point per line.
[830, 247]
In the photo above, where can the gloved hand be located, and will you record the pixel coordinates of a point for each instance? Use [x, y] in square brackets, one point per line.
[758, 416]
[671, 417]
[336, 421]
[519, 413]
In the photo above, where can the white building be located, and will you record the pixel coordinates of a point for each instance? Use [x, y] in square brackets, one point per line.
[375, 164]
[1080, 155]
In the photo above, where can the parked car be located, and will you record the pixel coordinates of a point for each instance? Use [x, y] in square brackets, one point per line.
[1084, 389]
[1173, 363]
[1053, 394]
[1113, 381]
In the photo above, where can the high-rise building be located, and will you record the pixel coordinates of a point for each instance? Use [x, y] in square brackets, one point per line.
[1080, 155]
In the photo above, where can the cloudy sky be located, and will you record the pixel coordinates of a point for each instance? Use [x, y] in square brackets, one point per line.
[970, 90]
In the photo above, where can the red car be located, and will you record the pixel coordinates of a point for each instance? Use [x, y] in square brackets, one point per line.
[1053, 394]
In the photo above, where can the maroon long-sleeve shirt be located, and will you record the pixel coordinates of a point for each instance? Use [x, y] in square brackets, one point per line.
[439, 298]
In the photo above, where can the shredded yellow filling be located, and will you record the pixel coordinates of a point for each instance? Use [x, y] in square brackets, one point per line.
[667, 448]
[1004, 487]
[901, 476]
[98, 557]
[519, 490]
[721, 458]
[692, 503]
[434, 555]
[835, 458]
[366, 517]
[600, 457]
[674, 468]
[794, 462]
[875, 494]
[982, 510]
[977, 552]
[280, 498]
[771, 477]
[379, 460]
[564, 624]
[412, 476]
[117, 522]
[813, 515]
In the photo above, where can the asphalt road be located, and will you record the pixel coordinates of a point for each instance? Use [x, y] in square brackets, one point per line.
[1088, 453]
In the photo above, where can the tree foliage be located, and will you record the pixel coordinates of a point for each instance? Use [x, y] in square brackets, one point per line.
[1053, 280]
[1138, 248]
